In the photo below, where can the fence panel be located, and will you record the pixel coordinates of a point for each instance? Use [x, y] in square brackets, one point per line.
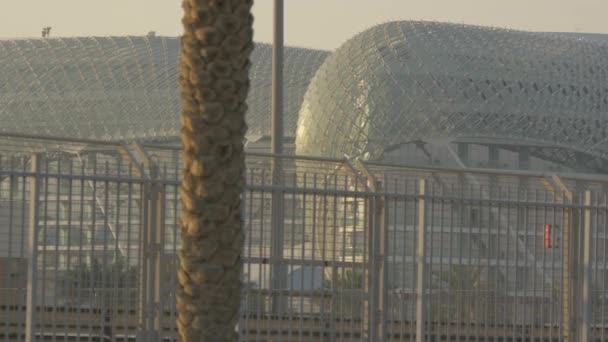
[322, 261]
[89, 265]
[366, 256]
[489, 270]
[598, 300]
[14, 204]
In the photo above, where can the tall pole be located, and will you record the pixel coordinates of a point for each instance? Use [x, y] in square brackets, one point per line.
[278, 272]
[277, 80]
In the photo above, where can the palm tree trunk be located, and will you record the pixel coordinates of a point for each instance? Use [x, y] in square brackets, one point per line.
[214, 78]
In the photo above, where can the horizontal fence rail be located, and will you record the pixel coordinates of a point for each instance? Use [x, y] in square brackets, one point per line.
[366, 252]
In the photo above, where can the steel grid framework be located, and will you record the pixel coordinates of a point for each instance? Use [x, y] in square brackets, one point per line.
[406, 81]
[125, 87]
[88, 241]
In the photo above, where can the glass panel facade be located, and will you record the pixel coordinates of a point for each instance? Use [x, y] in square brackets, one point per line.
[406, 81]
[125, 87]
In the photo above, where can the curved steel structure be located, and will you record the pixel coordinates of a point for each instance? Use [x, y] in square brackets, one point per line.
[123, 87]
[407, 81]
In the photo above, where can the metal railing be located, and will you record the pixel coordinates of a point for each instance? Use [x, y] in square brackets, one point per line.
[89, 236]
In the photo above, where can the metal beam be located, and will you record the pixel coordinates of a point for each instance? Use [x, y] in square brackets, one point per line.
[562, 186]
[147, 160]
[126, 154]
[352, 168]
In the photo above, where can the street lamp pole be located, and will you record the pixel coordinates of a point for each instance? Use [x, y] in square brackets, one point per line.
[277, 80]
[277, 273]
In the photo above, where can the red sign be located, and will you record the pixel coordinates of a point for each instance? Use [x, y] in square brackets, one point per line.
[547, 236]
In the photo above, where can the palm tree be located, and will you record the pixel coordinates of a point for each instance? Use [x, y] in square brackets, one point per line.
[214, 79]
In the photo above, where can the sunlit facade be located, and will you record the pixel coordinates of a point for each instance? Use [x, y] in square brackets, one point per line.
[124, 88]
[396, 92]
[410, 83]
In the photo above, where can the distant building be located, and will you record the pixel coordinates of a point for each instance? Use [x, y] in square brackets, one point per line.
[397, 91]
[457, 95]
[126, 88]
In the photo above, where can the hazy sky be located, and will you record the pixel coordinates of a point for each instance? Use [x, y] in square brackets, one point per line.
[310, 23]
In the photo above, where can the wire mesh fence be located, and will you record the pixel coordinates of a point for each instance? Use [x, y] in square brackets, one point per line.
[360, 252]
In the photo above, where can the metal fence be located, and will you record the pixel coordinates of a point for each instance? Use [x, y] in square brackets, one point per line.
[362, 252]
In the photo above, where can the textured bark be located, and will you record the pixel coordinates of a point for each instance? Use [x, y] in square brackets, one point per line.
[214, 78]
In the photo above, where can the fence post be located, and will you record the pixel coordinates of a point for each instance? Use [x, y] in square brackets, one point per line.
[278, 271]
[152, 240]
[160, 261]
[421, 263]
[144, 284]
[586, 291]
[381, 225]
[32, 250]
[375, 277]
[377, 256]
[370, 305]
[567, 271]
